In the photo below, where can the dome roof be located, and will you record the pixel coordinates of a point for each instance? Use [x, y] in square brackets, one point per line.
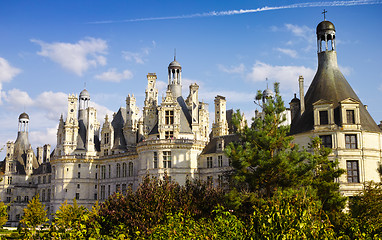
[325, 26]
[268, 93]
[24, 115]
[174, 64]
[295, 99]
[84, 94]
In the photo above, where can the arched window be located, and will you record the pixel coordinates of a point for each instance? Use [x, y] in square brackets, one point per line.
[118, 170]
[124, 169]
[130, 169]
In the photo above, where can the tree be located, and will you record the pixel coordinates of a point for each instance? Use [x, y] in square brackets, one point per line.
[34, 216]
[75, 222]
[265, 158]
[323, 180]
[3, 213]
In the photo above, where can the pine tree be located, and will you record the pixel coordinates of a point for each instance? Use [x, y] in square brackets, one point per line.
[265, 159]
[34, 216]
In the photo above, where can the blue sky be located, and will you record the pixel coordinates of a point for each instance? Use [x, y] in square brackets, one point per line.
[49, 49]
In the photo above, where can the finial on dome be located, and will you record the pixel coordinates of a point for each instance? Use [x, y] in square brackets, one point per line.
[324, 12]
[174, 54]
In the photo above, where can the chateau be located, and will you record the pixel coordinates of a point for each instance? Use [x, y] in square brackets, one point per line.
[90, 161]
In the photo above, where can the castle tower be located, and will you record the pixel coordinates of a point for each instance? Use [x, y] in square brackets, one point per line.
[150, 112]
[107, 137]
[175, 78]
[70, 131]
[220, 126]
[131, 125]
[334, 113]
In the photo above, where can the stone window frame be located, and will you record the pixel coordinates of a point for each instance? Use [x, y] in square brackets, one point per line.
[320, 106]
[353, 171]
[350, 104]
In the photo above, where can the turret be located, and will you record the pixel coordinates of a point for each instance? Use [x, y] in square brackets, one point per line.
[175, 78]
[220, 127]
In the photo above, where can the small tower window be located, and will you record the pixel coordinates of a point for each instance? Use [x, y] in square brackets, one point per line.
[167, 159]
[169, 117]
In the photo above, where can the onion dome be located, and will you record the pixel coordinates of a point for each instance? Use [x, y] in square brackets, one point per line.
[295, 99]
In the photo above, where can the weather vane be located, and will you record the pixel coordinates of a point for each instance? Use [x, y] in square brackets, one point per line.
[324, 14]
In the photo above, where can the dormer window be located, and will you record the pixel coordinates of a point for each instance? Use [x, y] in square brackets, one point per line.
[350, 113]
[323, 114]
[324, 119]
[350, 117]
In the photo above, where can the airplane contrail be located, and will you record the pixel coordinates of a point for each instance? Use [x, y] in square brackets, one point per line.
[245, 11]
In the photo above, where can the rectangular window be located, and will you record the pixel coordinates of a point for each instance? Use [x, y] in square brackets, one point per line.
[352, 171]
[118, 170]
[169, 117]
[26, 199]
[79, 175]
[131, 169]
[77, 196]
[220, 161]
[44, 179]
[326, 141]
[324, 120]
[105, 152]
[124, 189]
[166, 159]
[118, 188]
[108, 190]
[155, 160]
[48, 194]
[78, 186]
[169, 134]
[103, 172]
[102, 192]
[107, 140]
[351, 141]
[209, 162]
[124, 169]
[109, 171]
[350, 117]
[95, 196]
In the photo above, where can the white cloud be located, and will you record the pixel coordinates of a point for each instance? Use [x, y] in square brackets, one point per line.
[75, 57]
[113, 76]
[286, 75]
[301, 31]
[7, 73]
[290, 52]
[232, 69]
[346, 70]
[139, 57]
[17, 98]
[44, 136]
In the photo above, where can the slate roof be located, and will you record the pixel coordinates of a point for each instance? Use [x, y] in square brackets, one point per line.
[329, 84]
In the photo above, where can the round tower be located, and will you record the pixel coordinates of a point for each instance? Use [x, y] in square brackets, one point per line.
[175, 78]
[326, 34]
[84, 99]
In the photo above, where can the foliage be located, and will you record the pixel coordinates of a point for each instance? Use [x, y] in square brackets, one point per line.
[265, 158]
[224, 225]
[3, 213]
[366, 208]
[292, 214]
[34, 216]
[75, 222]
[138, 212]
[323, 180]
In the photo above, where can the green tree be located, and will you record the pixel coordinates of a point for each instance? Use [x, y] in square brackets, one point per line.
[366, 208]
[323, 180]
[3, 213]
[265, 158]
[75, 222]
[34, 216]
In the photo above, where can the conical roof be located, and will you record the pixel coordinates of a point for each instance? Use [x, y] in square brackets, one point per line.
[329, 84]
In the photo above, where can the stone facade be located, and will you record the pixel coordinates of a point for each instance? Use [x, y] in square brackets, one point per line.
[91, 162]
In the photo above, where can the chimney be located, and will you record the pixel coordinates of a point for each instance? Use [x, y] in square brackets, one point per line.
[302, 99]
